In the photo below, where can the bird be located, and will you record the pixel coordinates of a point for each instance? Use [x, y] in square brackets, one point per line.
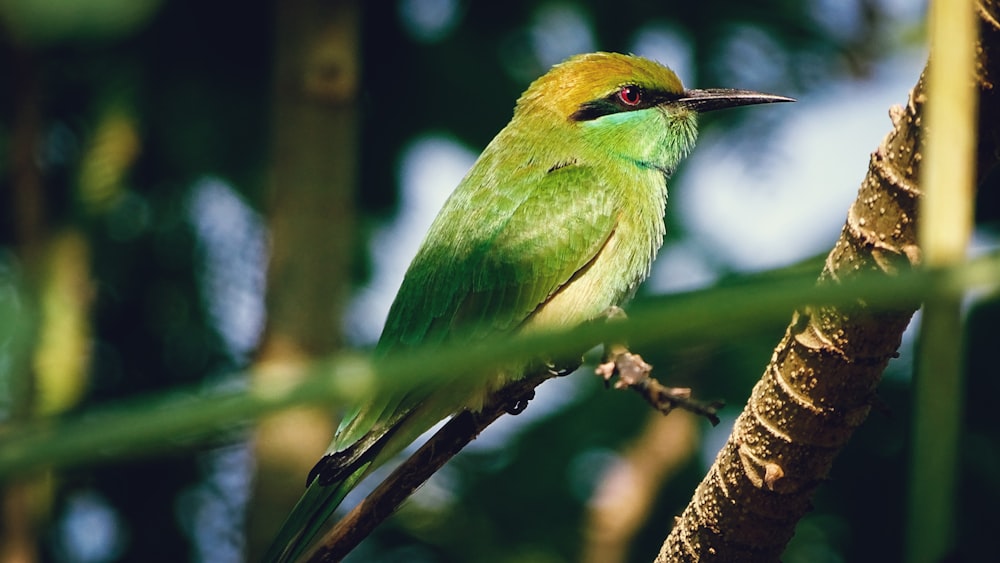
[558, 220]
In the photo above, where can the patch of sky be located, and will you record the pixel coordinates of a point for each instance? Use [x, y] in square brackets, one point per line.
[89, 531]
[232, 246]
[753, 214]
[560, 30]
[211, 512]
[429, 21]
[666, 44]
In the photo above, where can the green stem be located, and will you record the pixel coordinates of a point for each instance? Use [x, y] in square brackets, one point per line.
[147, 424]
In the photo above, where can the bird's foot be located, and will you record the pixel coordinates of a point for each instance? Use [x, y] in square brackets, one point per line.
[518, 404]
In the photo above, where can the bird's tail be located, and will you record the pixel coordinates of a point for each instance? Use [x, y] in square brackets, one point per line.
[306, 520]
[369, 443]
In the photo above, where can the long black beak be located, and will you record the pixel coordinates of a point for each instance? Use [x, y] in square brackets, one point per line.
[711, 99]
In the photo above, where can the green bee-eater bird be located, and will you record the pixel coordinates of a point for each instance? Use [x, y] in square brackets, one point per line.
[558, 220]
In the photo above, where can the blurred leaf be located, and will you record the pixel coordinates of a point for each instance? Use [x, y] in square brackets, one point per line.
[62, 354]
[155, 423]
[56, 21]
[109, 155]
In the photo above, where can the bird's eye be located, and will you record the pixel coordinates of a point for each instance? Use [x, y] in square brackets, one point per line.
[630, 95]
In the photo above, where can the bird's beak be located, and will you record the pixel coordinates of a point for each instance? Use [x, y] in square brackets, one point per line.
[711, 99]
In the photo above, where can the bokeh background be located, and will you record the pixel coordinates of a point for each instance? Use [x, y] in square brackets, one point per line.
[191, 192]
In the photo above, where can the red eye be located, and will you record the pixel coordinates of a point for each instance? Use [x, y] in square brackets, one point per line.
[630, 95]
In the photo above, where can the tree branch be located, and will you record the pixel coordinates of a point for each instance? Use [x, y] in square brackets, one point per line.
[415, 471]
[820, 383]
[633, 373]
[463, 428]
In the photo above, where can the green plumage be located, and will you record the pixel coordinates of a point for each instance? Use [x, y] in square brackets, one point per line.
[559, 219]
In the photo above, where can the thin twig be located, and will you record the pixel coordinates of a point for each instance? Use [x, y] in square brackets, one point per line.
[634, 373]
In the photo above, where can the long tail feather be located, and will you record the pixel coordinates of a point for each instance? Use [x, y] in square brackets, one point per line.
[337, 473]
[308, 517]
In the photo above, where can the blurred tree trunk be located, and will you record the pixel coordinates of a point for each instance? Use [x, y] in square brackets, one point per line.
[310, 214]
[50, 359]
[626, 494]
[25, 206]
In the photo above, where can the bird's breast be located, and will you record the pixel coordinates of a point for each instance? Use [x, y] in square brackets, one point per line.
[621, 263]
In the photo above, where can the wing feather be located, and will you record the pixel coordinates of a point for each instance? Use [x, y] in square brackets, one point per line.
[489, 261]
[506, 267]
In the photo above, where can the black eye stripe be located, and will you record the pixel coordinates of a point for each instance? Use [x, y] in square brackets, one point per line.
[612, 103]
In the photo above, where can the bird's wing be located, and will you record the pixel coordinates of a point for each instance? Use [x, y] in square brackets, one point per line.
[491, 259]
[501, 259]
[507, 264]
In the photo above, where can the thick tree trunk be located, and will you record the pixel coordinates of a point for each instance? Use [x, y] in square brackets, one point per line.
[820, 383]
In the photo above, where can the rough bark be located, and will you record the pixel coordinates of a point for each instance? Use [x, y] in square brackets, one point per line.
[820, 383]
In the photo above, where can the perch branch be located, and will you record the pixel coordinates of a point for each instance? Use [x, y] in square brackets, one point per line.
[414, 472]
[347, 533]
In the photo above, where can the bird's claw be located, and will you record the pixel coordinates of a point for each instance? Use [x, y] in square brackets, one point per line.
[518, 404]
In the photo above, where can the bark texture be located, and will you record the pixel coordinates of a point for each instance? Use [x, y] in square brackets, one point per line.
[820, 383]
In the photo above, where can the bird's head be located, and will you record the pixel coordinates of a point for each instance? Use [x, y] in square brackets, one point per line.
[629, 106]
